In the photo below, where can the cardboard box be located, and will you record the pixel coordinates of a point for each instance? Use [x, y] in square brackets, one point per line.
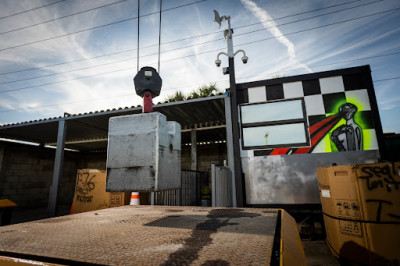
[90, 192]
[361, 206]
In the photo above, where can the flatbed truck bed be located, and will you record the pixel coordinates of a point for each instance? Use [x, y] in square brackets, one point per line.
[157, 235]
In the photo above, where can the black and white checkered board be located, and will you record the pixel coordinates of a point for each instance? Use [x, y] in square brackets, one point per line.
[322, 97]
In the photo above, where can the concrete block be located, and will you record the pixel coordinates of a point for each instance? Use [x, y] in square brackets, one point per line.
[9, 192]
[18, 172]
[13, 184]
[144, 153]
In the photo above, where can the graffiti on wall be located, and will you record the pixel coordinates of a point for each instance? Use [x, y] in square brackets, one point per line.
[338, 115]
[84, 185]
[342, 131]
[348, 137]
[385, 179]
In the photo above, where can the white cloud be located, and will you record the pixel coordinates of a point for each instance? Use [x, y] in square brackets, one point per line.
[362, 38]
[330, 53]
[270, 24]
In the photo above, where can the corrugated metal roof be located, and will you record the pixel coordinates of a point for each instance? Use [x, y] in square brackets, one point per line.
[88, 131]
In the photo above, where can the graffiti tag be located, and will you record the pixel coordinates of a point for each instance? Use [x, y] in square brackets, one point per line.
[84, 185]
[380, 207]
[84, 199]
[379, 177]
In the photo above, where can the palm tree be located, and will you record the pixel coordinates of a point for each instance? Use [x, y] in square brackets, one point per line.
[204, 91]
[178, 96]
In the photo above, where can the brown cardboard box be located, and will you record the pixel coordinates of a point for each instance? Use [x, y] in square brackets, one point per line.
[90, 192]
[361, 206]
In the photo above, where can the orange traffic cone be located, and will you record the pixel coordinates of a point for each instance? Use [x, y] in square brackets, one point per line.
[135, 198]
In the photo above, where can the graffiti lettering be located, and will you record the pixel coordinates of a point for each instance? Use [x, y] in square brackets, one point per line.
[84, 183]
[379, 209]
[379, 177]
[84, 199]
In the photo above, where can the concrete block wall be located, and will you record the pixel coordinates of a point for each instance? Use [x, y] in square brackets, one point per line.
[26, 174]
[26, 171]
[96, 160]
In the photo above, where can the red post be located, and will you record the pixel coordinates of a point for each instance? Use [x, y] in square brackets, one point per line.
[147, 103]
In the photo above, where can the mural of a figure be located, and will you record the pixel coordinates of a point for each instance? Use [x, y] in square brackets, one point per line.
[348, 137]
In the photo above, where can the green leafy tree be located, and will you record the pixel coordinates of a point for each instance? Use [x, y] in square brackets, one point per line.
[178, 96]
[204, 91]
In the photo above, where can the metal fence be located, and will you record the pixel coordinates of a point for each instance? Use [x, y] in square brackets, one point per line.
[192, 182]
[169, 197]
[188, 195]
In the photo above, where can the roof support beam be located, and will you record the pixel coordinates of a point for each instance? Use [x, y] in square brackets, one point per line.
[81, 141]
[58, 167]
[203, 128]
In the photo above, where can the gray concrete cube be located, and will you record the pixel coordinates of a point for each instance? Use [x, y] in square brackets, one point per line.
[144, 153]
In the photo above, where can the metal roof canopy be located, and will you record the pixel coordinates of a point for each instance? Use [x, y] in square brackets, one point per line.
[89, 131]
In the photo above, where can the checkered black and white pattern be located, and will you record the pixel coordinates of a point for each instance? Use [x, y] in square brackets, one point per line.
[322, 98]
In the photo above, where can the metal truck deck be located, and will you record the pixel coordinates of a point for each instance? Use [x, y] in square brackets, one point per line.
[147, 235]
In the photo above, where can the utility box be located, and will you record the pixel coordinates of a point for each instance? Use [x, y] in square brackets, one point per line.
[361, 206]
[144, 153]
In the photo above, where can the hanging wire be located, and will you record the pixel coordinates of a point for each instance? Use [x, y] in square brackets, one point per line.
[159, 39]
[138, 31]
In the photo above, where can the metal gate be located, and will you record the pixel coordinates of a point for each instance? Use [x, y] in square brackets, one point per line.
[192, 182]
[190, 192]
[169, 197]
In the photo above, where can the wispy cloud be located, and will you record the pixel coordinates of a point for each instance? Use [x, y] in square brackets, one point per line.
[100, 83]
[270, 24]
[356, 45]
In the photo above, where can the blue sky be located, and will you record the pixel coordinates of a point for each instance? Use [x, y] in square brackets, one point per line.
[36, 80]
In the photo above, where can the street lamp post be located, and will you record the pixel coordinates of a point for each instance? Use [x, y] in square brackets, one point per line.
[237, 171]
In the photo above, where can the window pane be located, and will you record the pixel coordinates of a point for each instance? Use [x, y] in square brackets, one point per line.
[274, 111]
[274, 135]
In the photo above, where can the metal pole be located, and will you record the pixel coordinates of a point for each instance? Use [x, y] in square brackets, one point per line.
[235, 136]
[229, 148]
[2, 149]
[58, 168]
[193, 150]
[235, 122]
[229, 40]
[138, 35]
[213, 186]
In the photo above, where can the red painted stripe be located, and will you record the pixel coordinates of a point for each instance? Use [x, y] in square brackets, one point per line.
[134, 196]
[279, 151]
[324, 123]
[320, 124]
[319, 135]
